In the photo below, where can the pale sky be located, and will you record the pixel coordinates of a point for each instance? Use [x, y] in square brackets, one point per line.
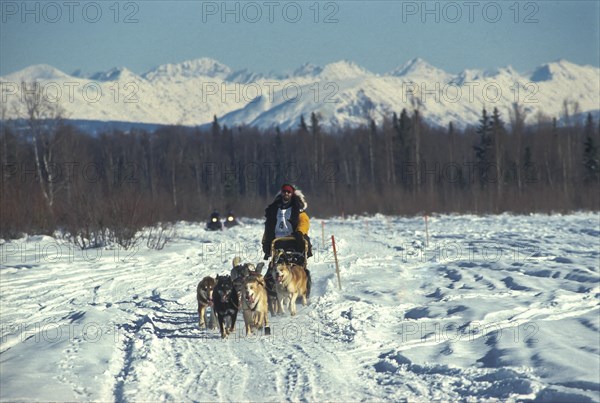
[280, 36]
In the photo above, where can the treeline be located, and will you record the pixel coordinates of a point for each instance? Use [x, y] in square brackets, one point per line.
[56, 178]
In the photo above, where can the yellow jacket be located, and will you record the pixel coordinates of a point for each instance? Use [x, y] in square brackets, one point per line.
[303, 223]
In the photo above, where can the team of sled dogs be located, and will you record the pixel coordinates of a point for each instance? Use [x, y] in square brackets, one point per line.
[256, 295]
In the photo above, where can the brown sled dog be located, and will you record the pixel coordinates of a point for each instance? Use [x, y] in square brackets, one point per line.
[290, 283]
[254, 304]
[204, 293]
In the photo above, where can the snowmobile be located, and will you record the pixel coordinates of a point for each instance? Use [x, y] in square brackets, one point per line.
[231, 221]
[214, 222]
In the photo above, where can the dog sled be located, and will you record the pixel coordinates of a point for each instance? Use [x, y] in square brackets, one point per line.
[285, 248]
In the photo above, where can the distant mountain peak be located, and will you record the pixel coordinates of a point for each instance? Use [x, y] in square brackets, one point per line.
[507, 70]
[469, 75]
[114, 74]
[35, 73]
[343, 69]
[413, 65]
[190, 68]
[307, 69]
[559, 68]
[243, 76]
[418, 67]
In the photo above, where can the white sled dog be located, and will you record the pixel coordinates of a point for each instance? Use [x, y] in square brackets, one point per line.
[290, 283]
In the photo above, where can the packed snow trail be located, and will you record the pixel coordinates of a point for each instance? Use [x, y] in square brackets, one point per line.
[500, 307]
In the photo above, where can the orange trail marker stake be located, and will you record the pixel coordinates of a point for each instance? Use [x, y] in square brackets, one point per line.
[337, 266]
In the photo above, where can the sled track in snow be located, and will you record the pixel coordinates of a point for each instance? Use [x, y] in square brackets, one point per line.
[407, 324]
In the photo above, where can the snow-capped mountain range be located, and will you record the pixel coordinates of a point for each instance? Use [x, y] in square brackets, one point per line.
[342, 93]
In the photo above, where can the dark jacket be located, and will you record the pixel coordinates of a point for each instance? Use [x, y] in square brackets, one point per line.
[299, 224]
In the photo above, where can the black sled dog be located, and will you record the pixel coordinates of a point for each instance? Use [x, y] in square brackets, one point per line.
[226, 304]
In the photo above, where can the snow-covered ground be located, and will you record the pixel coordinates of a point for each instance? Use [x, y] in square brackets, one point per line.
[498, 307]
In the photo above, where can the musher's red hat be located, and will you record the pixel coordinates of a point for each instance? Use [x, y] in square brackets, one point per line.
[288, 188]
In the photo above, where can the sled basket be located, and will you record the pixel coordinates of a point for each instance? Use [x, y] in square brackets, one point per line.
[292, 256]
